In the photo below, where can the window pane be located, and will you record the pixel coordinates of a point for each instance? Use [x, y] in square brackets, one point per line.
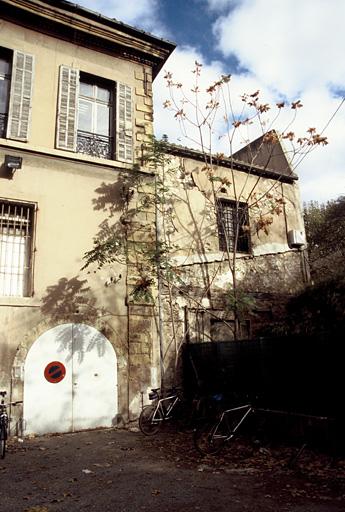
[86, 89]
[103, 117]
[4, 94]
[5, 68]
[103, 94]
[85, 116]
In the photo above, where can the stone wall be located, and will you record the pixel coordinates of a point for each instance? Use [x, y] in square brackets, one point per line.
[201, 311]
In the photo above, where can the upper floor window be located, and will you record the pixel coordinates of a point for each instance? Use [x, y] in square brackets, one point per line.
[16, 80]
[5, 81]
[233, 224]
[16, 234]
[94, 116]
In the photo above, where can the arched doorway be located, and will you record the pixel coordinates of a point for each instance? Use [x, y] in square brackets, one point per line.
[70, 381]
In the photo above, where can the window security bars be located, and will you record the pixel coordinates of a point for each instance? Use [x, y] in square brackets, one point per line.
[94, 145]
[233, 217]
[16, 222]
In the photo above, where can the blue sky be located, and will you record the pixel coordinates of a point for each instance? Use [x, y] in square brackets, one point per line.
[287, 49]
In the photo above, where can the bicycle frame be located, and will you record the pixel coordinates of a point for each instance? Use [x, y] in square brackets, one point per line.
[230, 431]
[165, 406]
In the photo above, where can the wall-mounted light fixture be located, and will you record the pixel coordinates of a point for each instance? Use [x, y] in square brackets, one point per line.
[12, 163]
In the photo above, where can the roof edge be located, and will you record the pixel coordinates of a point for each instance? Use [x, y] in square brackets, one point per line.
[65, 20]
[229, 162]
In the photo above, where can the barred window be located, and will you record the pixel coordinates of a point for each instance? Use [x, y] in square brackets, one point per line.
[233, 222]
[16, 228]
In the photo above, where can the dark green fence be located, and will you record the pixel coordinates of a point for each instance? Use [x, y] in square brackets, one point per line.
[304, 375]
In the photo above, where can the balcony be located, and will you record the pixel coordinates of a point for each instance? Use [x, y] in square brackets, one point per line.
[94, 145]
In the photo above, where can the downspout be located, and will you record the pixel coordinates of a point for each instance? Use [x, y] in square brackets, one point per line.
[159, 286]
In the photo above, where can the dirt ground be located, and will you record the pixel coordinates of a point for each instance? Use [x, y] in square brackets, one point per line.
[124, 471]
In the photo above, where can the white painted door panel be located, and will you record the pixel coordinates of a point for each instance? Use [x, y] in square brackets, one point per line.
[94, 379]
[86, 397]
[47, 406]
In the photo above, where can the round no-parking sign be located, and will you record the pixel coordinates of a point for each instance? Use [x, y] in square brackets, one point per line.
[54, 372]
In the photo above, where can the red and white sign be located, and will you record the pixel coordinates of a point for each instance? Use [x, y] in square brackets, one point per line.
[55, 372]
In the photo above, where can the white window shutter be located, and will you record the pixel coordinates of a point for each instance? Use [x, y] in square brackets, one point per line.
[66, 130]
[124, 123]
[19, 112]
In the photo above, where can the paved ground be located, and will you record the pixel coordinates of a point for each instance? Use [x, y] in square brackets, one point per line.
[124, 471]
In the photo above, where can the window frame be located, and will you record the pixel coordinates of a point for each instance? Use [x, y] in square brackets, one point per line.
[27, 267]
[227, 226]
[93, 142]
[6, 55]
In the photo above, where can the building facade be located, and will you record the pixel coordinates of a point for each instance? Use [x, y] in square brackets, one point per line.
[236, 241]
[75, 119]
[76, 105]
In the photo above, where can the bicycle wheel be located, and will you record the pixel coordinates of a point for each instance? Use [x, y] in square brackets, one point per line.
[147, 424]
[2, 441]
[205, 440]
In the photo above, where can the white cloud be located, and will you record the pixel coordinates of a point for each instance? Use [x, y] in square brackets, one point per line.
[290, 46]
[181, 64]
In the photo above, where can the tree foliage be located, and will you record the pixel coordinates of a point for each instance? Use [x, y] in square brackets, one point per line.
[325, 229]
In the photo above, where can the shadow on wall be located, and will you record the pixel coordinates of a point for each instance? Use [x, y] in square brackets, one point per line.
[72, 301]
[111, 238]
[113, 197]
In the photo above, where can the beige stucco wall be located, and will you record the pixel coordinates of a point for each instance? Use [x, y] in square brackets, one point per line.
[193, 209]
[74, 194]
[67, 220]
[49, 54]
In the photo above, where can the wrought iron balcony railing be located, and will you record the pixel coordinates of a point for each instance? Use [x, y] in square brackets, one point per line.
[94, 145]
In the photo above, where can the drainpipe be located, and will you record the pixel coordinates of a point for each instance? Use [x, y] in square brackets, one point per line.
[159, 282]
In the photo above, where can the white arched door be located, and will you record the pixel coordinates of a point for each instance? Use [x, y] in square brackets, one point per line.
[70, 381]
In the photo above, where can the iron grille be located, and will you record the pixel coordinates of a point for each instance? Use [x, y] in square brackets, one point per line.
[94, 145]
[232, 220]
[16, 222]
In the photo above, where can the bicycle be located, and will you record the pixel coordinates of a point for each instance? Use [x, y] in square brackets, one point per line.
[4, 422]
[211, 437]
[164, 408]
[188, 413]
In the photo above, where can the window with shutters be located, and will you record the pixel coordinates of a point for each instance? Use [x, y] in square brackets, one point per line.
[94, 116]
[233, 226]
[16, 235]
[5, 82]
[16, 81]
